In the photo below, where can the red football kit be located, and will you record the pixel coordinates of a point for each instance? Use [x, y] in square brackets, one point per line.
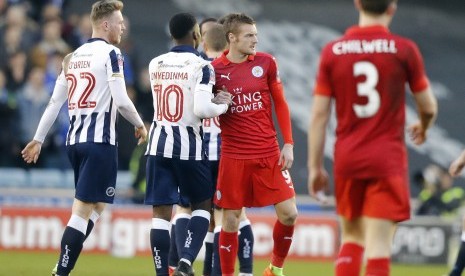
[365, 71]
[248, 173]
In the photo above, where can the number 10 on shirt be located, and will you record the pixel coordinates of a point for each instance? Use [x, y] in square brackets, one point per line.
[170, 110]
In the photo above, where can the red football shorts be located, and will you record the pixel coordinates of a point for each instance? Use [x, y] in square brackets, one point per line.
[252, 183]
[383, 198]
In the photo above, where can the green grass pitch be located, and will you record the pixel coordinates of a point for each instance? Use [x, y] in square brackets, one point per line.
[40, 263]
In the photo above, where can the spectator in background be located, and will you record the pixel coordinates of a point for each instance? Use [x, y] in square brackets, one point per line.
[78, 30]
[439, 197]
[9, 148]
[144, 94]
[50, 44]
[455, 170]
[11, 43]
[32, 101]
[16, 71]
[16, 16]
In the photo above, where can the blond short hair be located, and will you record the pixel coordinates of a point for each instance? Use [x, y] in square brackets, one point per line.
[104, 8]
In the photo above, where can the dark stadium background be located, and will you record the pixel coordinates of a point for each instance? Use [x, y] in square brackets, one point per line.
[294, 31]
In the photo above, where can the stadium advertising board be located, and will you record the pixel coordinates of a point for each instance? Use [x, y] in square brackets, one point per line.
[124, 232]
[421, 242]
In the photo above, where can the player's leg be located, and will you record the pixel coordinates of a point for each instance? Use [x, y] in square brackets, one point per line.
[460, 261]
[182, 218]
[349, 258]
[216, 265]
[198, 189]
[378, 240]
[160, 237]
[178, 227]
[283, 232]
[245, 246]
[380, 223]
[162, 193]
[228, 242]
[208, 242]
[73, 237]
[94, 216]
[209, 239]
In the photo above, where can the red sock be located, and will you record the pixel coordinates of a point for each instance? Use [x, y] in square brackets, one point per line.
[378, 267]
[349, 260]
[282, 237]
[228, 251]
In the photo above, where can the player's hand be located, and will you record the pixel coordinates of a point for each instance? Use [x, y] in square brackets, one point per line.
[286, 158]
[223, 97]
[317, 184]
[457, 166]
[141, 134]
[417, 133]
[31, 152]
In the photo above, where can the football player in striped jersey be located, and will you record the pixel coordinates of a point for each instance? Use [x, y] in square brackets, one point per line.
[92, 82]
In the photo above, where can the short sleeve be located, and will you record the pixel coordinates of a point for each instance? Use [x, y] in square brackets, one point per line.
[417, 79]
[322, 81]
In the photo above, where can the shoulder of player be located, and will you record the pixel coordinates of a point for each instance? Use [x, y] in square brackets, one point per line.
[263, 55]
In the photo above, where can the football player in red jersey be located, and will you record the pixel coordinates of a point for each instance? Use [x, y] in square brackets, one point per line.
[365, 72]
[253, 170]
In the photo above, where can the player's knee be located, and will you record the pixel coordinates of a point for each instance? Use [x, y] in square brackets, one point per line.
[288, 217]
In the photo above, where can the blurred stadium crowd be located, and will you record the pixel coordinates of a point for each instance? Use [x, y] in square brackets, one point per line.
[34, 38]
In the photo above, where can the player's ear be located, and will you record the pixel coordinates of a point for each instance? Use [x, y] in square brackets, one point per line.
[358, 5]
[392, 8]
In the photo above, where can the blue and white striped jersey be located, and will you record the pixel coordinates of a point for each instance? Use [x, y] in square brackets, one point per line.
[212, 138]
[175, 77]
[92, 113]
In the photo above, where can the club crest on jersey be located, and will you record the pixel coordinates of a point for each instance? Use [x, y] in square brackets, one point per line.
[110, 191]
[257, 71]
[120, 59]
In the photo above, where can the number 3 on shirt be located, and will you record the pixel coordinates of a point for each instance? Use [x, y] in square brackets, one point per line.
[367, 89]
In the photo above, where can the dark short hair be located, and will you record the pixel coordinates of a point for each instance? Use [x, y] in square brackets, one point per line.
[181, 24]
[376, 6]
[206, 20]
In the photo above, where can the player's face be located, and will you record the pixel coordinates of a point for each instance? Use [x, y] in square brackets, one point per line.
[206, 27]
[245, 41]
[115, 27]
[198, 36]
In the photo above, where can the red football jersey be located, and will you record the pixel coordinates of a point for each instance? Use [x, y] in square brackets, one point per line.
[365, 71]
[247, 129]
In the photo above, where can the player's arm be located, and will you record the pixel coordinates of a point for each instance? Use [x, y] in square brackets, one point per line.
[120, 97]
[283, 116]
[457, 166]
[318, 177]
[203, 105]
[31, 152]
[427, 109]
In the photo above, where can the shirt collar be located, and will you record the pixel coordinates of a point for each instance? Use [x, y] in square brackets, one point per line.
[185, 49]
[96, 39]
[226, 61]
[367, 30]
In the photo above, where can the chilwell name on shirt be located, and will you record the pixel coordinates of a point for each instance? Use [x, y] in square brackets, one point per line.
[365, 47]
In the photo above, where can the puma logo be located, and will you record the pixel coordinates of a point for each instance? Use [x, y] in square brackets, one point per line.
[228, 248]
[225, 76]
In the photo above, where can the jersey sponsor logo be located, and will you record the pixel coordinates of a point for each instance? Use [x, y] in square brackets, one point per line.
[110, 191]
[225, 76]
[246, 102]
[257, 71]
